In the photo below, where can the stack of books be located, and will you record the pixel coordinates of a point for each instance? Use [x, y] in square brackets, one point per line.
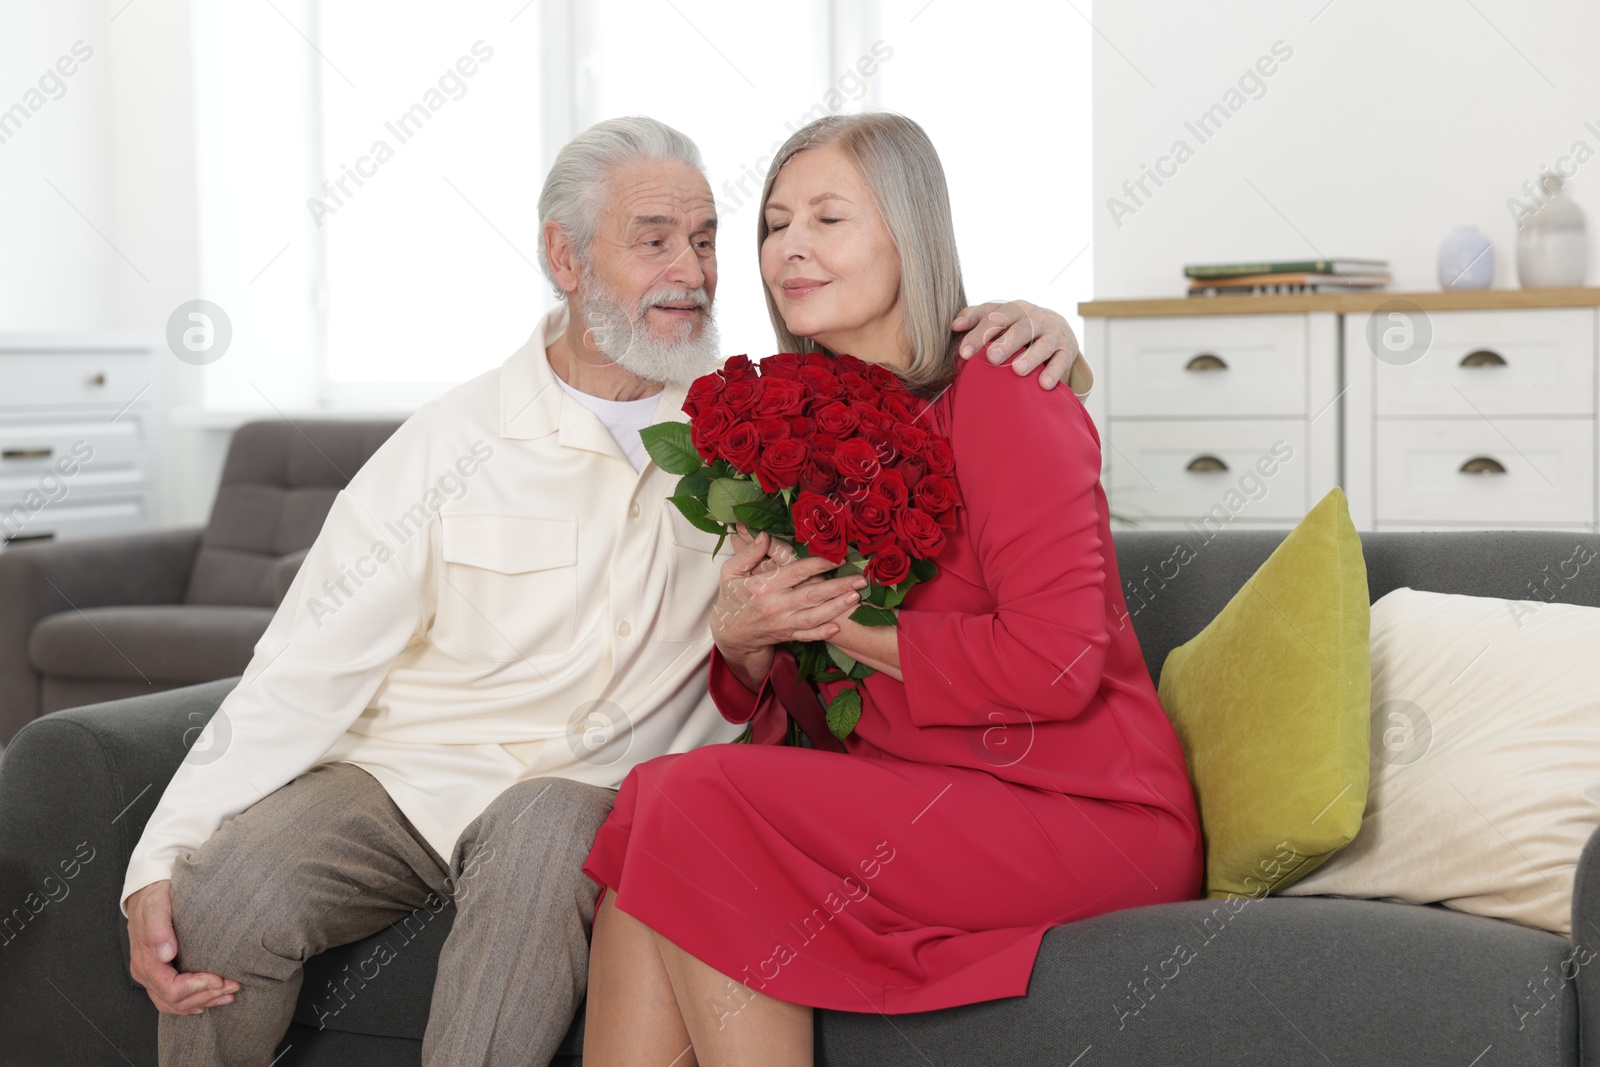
[1287, 276]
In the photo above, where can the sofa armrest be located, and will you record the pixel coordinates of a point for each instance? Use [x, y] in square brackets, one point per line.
[42, 579]
[1586, 949]
[76, 789]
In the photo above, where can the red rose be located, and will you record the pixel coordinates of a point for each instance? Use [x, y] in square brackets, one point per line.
[742, 395]
[771, 430]
[822, 524]
[870, 547]
[818, 476]
[857, 459]
[848, 364]
[901, 407]
[913, 440]
[912, 469]
[741, 447]
[892, 484]
[938, 456]
[920, 534]
[783, 365]
[802, 427]
[882, 377]
[870, 417]
[858, 389]
[780, 465]
[889, 566]
[852, 489]
[883, 443]
[836, 420]
[709, 428]
[821, 383]
[871, 515]
[703, 392]
[936, 495]
[739, 369]
[824, 447]
[780, 397]
[817, 359]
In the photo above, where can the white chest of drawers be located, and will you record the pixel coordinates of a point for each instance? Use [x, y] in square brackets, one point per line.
[1475, 410]
[79, 436]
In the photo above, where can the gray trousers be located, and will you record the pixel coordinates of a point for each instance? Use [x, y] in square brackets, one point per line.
[328, 860]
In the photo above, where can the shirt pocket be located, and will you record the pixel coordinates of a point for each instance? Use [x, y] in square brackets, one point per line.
[692, 577]
[510, 585]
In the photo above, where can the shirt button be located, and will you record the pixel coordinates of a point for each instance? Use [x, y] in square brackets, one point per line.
[633, 510]
[623, 629]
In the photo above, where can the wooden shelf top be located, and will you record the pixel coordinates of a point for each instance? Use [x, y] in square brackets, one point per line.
[1455, 300]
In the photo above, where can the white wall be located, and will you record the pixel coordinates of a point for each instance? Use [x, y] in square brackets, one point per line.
[1390, 124]
[58, 273]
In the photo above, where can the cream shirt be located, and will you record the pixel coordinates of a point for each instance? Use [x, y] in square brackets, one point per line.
[497, 595]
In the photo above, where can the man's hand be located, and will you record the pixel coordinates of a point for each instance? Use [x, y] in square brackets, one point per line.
[153, 946]
[1038, 337]
[768, 596]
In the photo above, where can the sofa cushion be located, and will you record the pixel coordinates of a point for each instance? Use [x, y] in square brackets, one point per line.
[1270, 701]
[1485, 773]
[156, 643]
[278, 484]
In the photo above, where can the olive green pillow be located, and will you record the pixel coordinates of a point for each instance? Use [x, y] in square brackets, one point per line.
[1272, 702]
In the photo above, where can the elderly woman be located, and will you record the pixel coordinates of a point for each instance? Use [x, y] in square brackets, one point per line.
[1012, 768]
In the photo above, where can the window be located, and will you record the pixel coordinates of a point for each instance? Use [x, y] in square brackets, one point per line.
[369, 172]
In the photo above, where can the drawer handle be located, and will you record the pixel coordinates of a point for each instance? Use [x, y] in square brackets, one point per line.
[1206, 463]
[1483, 357]
[98, 379]
[18, 538]
[1206, 361]
[1482, 465]
[27, 453]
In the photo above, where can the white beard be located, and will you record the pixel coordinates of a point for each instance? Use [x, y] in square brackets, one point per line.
[623, 340]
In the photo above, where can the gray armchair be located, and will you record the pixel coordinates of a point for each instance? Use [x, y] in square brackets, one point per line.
[89, 621]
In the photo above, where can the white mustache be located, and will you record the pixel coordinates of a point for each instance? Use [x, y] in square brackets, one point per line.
[698, 297]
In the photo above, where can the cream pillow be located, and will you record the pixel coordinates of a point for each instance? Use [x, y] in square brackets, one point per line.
[1484, 784]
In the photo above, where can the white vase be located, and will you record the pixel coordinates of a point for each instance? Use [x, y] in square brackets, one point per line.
[1466, 260]
[1553, 242]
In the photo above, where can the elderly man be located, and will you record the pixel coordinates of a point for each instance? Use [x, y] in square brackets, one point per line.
[501, 616]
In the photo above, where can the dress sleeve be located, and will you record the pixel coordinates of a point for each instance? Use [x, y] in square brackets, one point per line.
[1028, 470]
[733, 698]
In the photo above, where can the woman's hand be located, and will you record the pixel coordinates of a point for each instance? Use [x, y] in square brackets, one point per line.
[1037, 335]
[768, 596]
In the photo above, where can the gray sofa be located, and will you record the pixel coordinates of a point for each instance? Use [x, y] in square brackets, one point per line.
[1278, 981]
[83, 622]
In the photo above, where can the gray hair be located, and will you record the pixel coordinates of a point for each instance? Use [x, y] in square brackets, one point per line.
[575, 190]
[903, 174]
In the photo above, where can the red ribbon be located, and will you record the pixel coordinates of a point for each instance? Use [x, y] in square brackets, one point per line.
[798, 698]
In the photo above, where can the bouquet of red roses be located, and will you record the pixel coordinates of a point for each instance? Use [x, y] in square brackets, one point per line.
[824, 452]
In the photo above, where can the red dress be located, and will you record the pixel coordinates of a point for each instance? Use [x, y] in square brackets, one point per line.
[1023, 775]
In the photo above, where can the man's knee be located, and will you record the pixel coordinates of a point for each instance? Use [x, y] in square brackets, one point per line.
[536, 828]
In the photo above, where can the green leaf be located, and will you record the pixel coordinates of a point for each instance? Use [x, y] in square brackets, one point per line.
[726, 493]
[895, 595]
[844, 711]
[861, 671]
[867, 615]
[696, 484]
[762, 515]
[841, 659]
[924, 569]
[695, 511]
[671, 445]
